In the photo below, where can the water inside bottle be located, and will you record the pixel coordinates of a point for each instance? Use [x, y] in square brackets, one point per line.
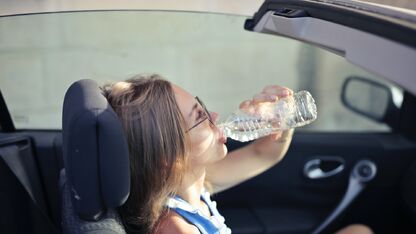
[246, 128]
[291, 112]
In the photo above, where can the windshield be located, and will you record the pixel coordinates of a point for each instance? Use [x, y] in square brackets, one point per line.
[208, 54]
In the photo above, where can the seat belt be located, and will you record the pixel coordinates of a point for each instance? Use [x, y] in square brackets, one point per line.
[10, 155]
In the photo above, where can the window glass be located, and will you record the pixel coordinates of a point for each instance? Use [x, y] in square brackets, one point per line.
[210, 55]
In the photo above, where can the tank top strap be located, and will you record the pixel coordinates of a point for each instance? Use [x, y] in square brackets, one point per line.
[214, 224]
[191, 215]
[212, 205]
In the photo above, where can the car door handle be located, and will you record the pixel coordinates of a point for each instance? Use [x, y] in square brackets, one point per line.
[323, 167]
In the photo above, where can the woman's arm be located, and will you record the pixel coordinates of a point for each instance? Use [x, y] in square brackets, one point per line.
[257, 157]
[249, 161]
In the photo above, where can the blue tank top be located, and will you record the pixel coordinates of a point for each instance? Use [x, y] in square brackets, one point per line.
[206, 225]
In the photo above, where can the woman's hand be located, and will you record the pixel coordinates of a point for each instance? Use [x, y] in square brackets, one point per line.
[269, 95]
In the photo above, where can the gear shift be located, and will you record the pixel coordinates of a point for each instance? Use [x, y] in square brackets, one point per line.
[362, 173]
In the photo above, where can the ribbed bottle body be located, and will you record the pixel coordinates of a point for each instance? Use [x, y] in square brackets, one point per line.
[291, 112]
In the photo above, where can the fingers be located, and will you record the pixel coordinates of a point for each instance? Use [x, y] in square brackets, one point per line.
[272, 93]
[279, 91]
[264, 97]
[248, 106]
[245, 104]
[269, 94]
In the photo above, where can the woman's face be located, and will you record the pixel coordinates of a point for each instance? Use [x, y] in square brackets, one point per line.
[206, 140]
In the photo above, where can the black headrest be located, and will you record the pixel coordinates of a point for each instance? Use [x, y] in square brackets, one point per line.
[95, 151]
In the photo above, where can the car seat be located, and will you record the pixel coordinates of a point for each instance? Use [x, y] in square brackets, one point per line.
[96, 175]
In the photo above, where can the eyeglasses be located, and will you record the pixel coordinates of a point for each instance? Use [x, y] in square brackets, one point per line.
[206, 113]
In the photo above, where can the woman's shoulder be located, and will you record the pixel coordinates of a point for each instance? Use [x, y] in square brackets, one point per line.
[172, 223]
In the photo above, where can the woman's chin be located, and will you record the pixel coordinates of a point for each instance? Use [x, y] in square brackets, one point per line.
[224, 150]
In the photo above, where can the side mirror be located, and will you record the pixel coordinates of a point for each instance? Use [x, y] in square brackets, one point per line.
[371, 99]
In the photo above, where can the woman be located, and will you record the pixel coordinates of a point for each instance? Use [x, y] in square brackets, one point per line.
[177, 154]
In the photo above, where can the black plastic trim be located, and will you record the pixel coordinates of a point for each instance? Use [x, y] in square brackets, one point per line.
[385, 26]
[408, 116]
[6, 122]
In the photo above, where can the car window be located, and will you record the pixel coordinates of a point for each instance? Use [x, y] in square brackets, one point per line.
[208, 54]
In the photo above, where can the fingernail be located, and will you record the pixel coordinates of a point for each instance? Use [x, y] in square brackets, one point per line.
[285, 92]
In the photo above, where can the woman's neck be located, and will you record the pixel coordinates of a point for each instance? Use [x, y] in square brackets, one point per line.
[191, 186]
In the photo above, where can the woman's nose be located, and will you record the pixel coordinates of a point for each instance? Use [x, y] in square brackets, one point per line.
[214, 116]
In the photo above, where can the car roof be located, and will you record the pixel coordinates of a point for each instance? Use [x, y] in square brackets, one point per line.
[238, 7]
[384, 9]
[377, 38]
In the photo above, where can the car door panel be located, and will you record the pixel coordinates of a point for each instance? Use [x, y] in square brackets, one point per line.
[22, 192]
[284, 200]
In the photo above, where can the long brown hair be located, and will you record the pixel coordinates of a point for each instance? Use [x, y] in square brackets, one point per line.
[153, 125]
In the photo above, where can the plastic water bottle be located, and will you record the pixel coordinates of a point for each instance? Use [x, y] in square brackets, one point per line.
[290, 112]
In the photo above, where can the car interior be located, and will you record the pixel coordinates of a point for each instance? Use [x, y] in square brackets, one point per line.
[72, 180]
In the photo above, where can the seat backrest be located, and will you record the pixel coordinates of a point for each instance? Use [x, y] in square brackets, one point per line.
[109, 223]
[95, 153]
